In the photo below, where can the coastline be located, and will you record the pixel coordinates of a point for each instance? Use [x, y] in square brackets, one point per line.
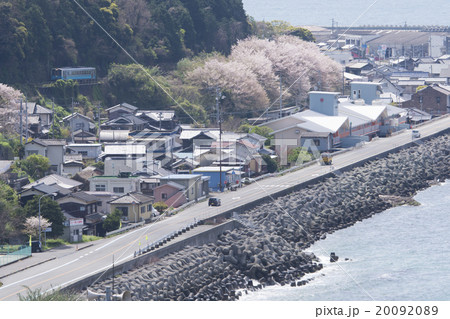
[270, 250]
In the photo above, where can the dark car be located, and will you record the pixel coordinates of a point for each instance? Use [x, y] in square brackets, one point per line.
[36, 246]
[214, 201]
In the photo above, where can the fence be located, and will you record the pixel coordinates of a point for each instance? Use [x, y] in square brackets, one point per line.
[10, 254]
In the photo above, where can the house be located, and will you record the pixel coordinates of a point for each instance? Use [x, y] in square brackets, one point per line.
[434, 99]
[121, 184]
[58, 180]
[103, 199]
[173, 194]
[88, 151]
[201, 137]
[42, 189]
[84, 175]
[358, 68]
[83, 137]
[196, 185]
[159, 120]
[221, 177]
[77, 121]
[73, 164]
[127, 157]
[120, 110]
[78, 205]
[135, 207]
[368, 91]
[39, 118]
[128, 122]
[52, 149]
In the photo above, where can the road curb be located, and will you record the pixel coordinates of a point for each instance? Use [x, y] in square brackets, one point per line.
[37, 264]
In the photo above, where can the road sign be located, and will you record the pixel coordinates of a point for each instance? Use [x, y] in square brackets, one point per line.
[48, 230]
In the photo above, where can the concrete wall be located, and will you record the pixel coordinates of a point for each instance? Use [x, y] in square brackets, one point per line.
[196, 240]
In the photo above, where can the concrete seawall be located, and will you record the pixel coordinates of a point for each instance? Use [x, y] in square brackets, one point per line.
[208, 236]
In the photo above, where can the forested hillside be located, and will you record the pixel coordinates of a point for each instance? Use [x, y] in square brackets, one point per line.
[36, 35]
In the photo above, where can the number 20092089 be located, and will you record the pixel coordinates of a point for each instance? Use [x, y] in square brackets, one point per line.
[407, 310]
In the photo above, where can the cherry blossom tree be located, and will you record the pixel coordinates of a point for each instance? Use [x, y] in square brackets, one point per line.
[9, 109]
[253, 70]
[32, 225]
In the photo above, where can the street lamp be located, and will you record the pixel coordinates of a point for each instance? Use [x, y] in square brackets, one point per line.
[51, 194]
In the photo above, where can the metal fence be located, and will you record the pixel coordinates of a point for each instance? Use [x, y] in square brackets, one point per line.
[10, 254]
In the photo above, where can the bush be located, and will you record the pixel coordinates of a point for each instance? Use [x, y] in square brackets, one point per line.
[160, 207]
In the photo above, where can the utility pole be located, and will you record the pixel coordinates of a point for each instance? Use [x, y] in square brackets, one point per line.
[26, 120]
[219, 121]
[21, 124]
[53, 118]
[281, 97]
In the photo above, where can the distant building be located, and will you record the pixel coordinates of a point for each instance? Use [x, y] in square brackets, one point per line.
[54, 150]
[434, 100]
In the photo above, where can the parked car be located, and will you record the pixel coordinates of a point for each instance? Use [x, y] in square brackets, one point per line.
[247, 180]
[415, 134]
[214, 201]
[36, 246]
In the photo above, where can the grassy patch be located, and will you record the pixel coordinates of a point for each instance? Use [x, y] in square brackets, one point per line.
[38, 295]
[87, 238]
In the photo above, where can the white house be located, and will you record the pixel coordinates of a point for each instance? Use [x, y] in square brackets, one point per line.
[88, 151]
[122, 184]
[52, 149]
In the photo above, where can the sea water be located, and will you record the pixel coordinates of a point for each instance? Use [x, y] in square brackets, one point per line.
[350, 12]
[400, 254]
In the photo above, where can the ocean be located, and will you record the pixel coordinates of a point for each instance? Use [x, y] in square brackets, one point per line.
[397, 255]
[350, 12]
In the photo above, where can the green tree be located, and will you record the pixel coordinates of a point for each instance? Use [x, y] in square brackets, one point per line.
[35, 165]
[299, 155]
[112, 221]
[137, 86]
[272, 165]
[11, 214]
[50, 210]
[160, 207]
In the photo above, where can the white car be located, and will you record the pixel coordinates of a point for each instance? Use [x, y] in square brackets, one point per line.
[415, 134]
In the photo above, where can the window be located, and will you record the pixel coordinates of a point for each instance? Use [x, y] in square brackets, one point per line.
[100, 187]
[438, 99]
[83, 153]
[316, 142]
[164, 196]
[149, 207]
[118, 190]
[82, 208]
[143, 210]
[79, 126]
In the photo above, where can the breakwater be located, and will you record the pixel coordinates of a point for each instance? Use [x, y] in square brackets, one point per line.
[269, 250]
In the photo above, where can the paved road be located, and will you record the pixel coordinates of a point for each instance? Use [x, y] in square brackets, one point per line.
[70, 265]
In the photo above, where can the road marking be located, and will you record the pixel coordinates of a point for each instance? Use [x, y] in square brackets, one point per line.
[236, 198]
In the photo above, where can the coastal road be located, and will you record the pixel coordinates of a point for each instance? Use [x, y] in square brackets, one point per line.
[70, 265]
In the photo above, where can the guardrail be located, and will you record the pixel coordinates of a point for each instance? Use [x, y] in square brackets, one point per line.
[123, 229]
[13, 256]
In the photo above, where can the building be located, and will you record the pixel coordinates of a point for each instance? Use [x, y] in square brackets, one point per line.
[122, 184]
[173, 194]
[77, 121]
[120, 110]
[221, 177]
[434, 100]
[135, 207]
[196, 185]
[87, 151]
[54, 150]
